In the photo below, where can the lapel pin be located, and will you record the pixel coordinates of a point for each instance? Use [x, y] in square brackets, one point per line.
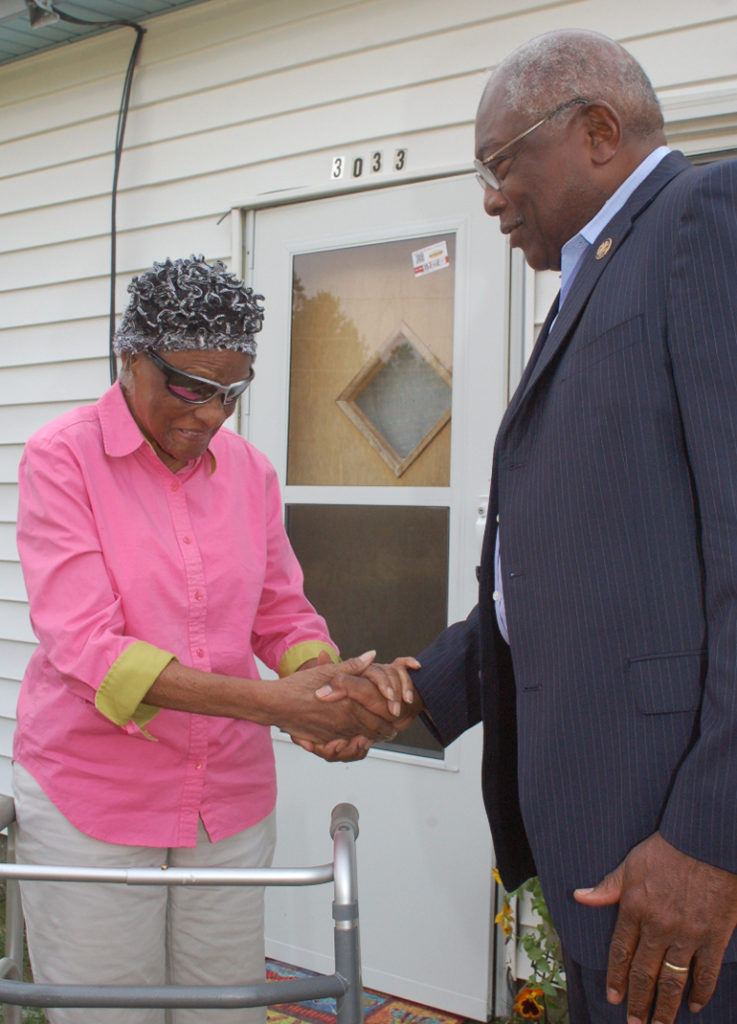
[603, 249]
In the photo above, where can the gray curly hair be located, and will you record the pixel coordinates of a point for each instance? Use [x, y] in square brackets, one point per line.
[189, 304]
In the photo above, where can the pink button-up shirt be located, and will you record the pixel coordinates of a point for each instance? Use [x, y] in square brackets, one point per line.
[126, 566]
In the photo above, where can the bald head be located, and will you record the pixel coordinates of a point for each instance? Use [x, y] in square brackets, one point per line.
[556, 67]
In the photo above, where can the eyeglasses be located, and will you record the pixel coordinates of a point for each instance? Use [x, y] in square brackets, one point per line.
[487, 174]
[198, 390]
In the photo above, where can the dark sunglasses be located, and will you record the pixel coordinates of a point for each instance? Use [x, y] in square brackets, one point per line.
[198, 390]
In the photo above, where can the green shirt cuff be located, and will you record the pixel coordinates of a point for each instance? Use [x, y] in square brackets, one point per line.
[128, 680]
[292, 659]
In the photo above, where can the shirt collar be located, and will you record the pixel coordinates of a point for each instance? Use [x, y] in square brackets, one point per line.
[615, 202]
[121, 434]
[572, 252]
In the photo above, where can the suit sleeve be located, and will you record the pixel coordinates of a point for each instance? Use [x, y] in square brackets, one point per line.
[449, 680]
[700, 816]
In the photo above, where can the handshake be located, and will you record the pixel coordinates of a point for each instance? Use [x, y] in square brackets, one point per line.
[338, 711]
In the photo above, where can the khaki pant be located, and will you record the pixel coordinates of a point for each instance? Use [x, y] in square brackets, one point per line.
[114, 934]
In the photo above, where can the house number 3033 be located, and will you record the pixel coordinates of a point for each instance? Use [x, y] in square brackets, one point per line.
[375, 163]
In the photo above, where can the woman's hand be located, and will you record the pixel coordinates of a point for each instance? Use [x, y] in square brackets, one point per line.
[287, 703]
[317, 722]
[341, 751]
[390, 682]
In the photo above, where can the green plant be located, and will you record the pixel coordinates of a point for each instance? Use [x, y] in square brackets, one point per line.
[542, 995]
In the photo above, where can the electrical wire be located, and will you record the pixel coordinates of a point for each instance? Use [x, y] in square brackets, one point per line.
[119, 137]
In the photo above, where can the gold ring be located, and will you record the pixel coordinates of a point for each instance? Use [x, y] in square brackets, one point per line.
[675, 967]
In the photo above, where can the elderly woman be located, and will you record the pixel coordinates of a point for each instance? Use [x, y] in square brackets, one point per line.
[157, 567]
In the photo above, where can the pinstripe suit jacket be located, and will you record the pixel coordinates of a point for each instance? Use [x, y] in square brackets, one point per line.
[613, 713]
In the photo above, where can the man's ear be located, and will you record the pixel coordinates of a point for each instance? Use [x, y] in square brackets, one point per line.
[603, 128]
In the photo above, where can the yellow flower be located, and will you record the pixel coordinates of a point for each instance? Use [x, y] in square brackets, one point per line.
[496, 876]
[505, 918]
[527, 1003]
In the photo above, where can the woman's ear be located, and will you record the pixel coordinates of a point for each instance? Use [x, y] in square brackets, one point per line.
[127, 359]
[125, 373]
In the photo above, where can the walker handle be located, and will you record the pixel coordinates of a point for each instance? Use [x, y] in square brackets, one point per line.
[344, 816]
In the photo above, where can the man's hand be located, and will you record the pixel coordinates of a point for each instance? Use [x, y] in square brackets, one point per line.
[392, 689]
[392, 686]
[394, 683]
[317, 722]
[676, 916]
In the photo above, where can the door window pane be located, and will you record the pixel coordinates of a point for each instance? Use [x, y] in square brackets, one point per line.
[400, 400]
[370, 370]
[378, 574]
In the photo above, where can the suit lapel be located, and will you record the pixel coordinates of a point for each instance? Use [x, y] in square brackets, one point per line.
[595, 262]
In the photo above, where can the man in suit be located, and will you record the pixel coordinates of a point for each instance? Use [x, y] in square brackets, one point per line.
[602, 656]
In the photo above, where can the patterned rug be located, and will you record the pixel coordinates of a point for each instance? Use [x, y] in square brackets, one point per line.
[378, 1008]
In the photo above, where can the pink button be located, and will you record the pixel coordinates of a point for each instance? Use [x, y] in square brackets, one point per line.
[200, 653]
[186, 540]
[175, 486]
[198, 595]
[198, 765]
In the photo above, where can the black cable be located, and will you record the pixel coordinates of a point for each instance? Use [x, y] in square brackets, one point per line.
[119, 136]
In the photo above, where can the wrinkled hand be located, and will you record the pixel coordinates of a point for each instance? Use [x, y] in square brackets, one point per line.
[336, 751]
[673, 910]
[394, 686]
[310, 721]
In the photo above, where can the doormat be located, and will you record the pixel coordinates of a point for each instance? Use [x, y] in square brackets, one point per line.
[377, 1008]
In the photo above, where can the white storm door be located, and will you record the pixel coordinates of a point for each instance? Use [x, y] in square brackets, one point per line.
[380, 379]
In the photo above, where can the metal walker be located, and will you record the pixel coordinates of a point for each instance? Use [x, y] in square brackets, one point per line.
[344, 984]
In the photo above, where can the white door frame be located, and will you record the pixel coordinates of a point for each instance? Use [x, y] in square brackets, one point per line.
[465, 754]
